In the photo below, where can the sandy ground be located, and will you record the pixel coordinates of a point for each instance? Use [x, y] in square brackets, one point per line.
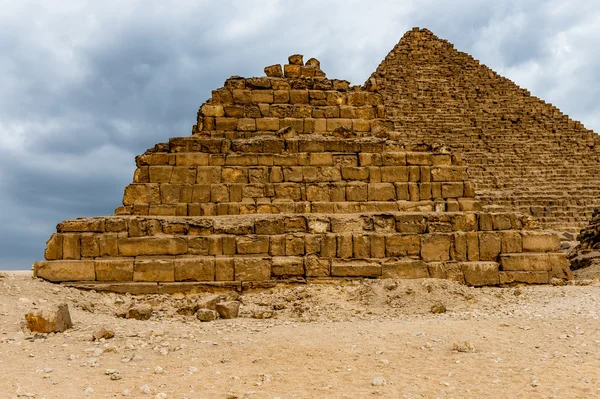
[360, 340]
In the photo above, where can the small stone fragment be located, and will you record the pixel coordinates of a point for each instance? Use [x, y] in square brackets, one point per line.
[101, 333]
[378, 381]
[274, 71]
[228, 310]
[208, 302]
[51, 319]
[206, 315]
[142, 312]
[438, 308]
[296, 59]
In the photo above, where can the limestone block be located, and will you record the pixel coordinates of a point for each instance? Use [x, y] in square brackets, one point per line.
[458, 251]
[362, 246]
[96, 225]
[415, 224]
[452, 190]
[114, 269]
[490, 244]
[291, 71]
[90, 247]
[54, 247]
[321, 159]
[148, 246]
[153, 269]
[338, 123]
[501, 221]
[418, 158]
[381, 192]
[242, 96]
[377, 246]
[394, 174]
[361, 125]
[540, 242]
[224, 123]
[294, 244]
[283, 266]
[267, 124]
[316, 266]
[435, 247]
[71, 246]
[65, 270]
[194, 269]
[512, 242]
[224, 269]
[480, 273]
[281, 96]
[219, 193]
[289, 191]
[261, 96]
[295, 224]
[212, 110]
[160, 174]
[524, 277]
[354, 173]
[393, 159]
[356, 192]
[485, 222]
[252, 269]
[448, 174]
[270, 226]
[465, 222]
[529, 261]
[274, 71]
[402, 245]
[344, 246]
[404, 269]
[441, 159]
[355, 269]
[252, 244]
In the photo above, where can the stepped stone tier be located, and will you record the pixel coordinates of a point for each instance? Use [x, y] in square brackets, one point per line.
[523, 154]
[295, 175]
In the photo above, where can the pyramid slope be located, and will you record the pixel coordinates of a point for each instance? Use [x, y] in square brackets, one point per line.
[522, 153]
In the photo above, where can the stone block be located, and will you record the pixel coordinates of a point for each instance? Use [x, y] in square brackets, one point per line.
[403, 245]
[291, 71]
[394, 174]
[294, 244]
[452, 190]
[274, 71]
[415, 224]
[393, 159]
[71, 246]
[435, 247]
[286, 266]
[501, 221]
[418, 158]
[540, 242]
[153, 269]
[316, 266]
[512, 242]
[381, 192]
[362, 246]
[224, 269]
[252, 269]
[252, 244]
[490, 244]
[480, 273]
[114, 269]
[465, 222]
[338, 123]
[261, 96]
[149, 246]
[458, 251]
[524, 277]
[242, 96]
[448, 173]
[65, 270]
[404, 269]
[194, 269]
[529, 261]
[355, 269]
[54, 247]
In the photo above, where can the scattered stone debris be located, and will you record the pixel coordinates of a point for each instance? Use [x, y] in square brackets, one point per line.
[464, 348]
[141, 312]
[206, 315]
[49, 320]
[228, 310]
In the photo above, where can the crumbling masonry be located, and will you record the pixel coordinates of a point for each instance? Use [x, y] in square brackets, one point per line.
[295, 175]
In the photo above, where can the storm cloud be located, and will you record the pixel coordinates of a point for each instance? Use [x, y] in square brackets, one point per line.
[86, 86]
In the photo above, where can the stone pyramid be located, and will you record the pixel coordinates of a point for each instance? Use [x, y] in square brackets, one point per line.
[297, 176]
[523, 154]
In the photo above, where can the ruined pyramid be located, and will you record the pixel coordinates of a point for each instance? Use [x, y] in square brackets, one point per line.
[297, 176]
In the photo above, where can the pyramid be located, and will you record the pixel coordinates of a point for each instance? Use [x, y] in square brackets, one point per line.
[523, 154]
[293, 176]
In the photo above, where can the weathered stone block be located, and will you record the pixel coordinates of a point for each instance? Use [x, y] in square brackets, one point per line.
[194, 269]
[404, 269]
[114, 269]
[528, 261]
[435, 247]
[65, 270]
[148, 246]
[283, 266]
[381, 192]
[153, 269]
[490, 245]
[224, 269]
[252, 244]
[355, 269]
[402, 245]
[524, 277]
[252, 269]
[480, 273]
[540, 242]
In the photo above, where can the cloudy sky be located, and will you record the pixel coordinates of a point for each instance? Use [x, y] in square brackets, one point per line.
[87, 85]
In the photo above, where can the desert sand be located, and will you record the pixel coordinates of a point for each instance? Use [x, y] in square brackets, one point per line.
[360, 339]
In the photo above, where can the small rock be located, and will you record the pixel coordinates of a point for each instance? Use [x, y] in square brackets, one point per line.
[208, 302]
[378, 381]
[296, 59]
[161, 395]
[51, 319]
[142, 312]
[228, 310]
[274, 71]
[438, 308]
[101, 333]
[559, 282]
[206, 315]
[159, 370]
[186, 311]
[262, 314]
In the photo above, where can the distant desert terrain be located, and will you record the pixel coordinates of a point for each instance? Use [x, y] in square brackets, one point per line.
[358, 339]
